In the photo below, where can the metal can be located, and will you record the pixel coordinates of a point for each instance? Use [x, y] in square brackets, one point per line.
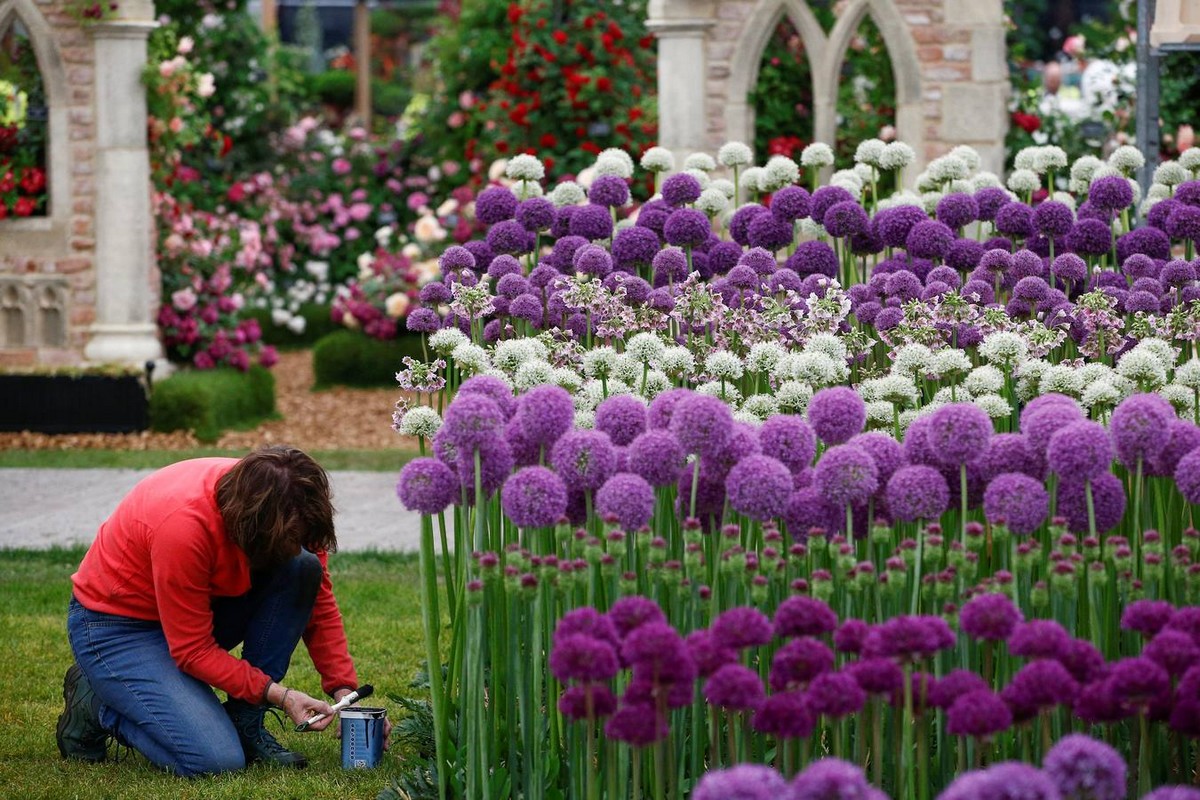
[362, 737]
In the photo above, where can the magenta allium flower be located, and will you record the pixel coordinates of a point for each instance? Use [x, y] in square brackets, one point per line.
[1012, 780]
[969, 786]
[1137, 683]
[846, 218]
[800, 615]
[826, 198]
[702, 424]
[628, 497]
[957, 209]
[742, 627]
[992, 617]
[1183, 436]
[832, 779]
[680, 189]
[909, 637]
[708, 653]
[533, 497]
[1108, 497]
[929, 239]
[1187, 477]
[1111, 193]
[741, 782]
[472, 421]
[495, 204]
[655, 646]
[1040, 420]
[1174, 651]
[1090, 237]
[1082, 660]
[1147, 617]
[1053, 218]
[846, 475]
[1140, 426]
[577, 657]
[592, 222]
[509, 237]
[791, 203]
[893, 224]
[808, 509]
[958, 433]
[884, 450]
[656, 456]
[637, 724]
[798, 662]
[1039, 684]
[535, 214]
[980, 714]
[427, 486]
[789, 439]
[1038, 638]
[492, 388]
[836, 414]
[848, 638]
[734, 687]
[759, 487]
[609, 190]
[1174, 793]
[1017, 500]
[662, 407]
[1186, 619]
[634, 246]
[583, 459]
[629, 613]
[622, 417]
[587, 621]
[917, 492]
[1085, 768]
[1097, 704]
[881, 676]
[785, 715]
[835, 694]
[574, 702]
[687, 227]
[953, 686]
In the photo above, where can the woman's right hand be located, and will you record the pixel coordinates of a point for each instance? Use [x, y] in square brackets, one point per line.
[300, 707]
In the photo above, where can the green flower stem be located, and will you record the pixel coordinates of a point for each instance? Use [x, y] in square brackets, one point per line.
[431, 619]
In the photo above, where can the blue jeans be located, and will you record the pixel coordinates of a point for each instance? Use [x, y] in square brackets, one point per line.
[173, 719]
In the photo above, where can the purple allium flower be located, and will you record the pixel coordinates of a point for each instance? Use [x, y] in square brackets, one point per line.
[427, 486]
[535, 214]
[587, 621]
[708, 654]
[710, 494]
[1108, 497]
[908, 637]
[423, 320]
[826, 198]
[892, 225]
[492, 388]
[743, 278]
[1016, 220]
[583, 459]
[670, 264]
[495, 204]
[702, 424]
[1097, 704]
[592, 222]
[917, 492]
[1174, 793]
[472, 421]
[508, 236]
[1012, 780]
[734, 687]
[958, 433]
[1177, 273]
[846, 218]
[790, 204]
[674, 683]
[1137, 683]
[1144, 241]
[808, 509]
[1140, 427]
[574, 703]
[1069, 266]
[545, 413]
[1082, 660]
[991, 617]
[739, 224]
[742, 627]
[637, 724]
[848, 638]
[609, 190]
[533, 497]
[495, 465]
[885, 451]
[1011, 452]
[789, 439]
[656, 456]
[785, 715]
[680, 190]
[964, 255]
[687, 227]
[629, 613]
[980, 714]
[1090, 237]
[832, 779]
[836, 414]
[759, 487]
[1053, 218]
[957, 210]
[991, 199]
[846, 475]
[511, 284]
[813, 258]
[1038, 638]
[835, 694]
[654, 646]
[527, 307]
[1111, 193]
[1187, 476]
[634, 246]
[1017, 500]
[592, 259]
[1040, 420]
[454, 260]
[435, 292]
[798, 662]
[1174, 651]
[577, 657]
[1039, 684]
[767, 232]
[929, 239]
[741, 782]
[800, 615]
[954, 685]
[996, 261]
[1147, 617]
[622, 417]
[723, 256]
[881, 676]
[629, 498]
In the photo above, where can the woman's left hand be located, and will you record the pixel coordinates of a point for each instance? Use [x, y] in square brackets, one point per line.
[387, 723]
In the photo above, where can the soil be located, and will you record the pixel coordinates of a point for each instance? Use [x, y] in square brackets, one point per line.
[331, 419]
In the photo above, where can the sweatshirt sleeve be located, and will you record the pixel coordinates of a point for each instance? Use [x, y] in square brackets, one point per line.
[181, 564]
[325, 638]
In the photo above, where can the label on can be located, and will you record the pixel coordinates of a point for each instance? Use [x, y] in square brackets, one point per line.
[362, 737]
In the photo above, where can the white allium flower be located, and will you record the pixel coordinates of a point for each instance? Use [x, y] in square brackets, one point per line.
[1029, 375]
[528, 189]
[961, 187]
[761, 406]
[816, 156]
[618, 154]
[1066, 198]
[904, 198]
[645, 347]
[735, 154]
[948, 168]
[1181, 399]
[508, 354]
[420, 421]
[949, 394]
[724, 364]
[950, 361]
[1127, 158]
[808, 229]
[712, 202]
[930, 200]
[1051, 157]
[701, 161]
[896, 155]
[793, 396]
[654, 384]
[993, 405]
[608, 165]
[818, 369]
[678, 361]
[1062, 379]
[925, 182]
[1142, 367]
[894, 389]
[658, 159]
[1158, 191]
[906, 418]
[729, 393]
[1163, 350]
[1106, 171]
[1188, 373]
[780, 171]
[763, 356]
[568, 379]
[1101, 393]
[1004, 348]
[1096, 371]
[701, 177]
[567, 193]
[585, 419]
[969, 156]
[848, 176]
[446, 340]
[752, 180]
[912, 360]
[746, 418]
[866, 173]
[984, 380]
[1084, 168]
[829, 344]
[627, 369]
[1190, 159]
[533, 372]
[880, 414]
[599, 362]
[724, 186]
[869, 152]
[1137, 190]
[1171, 173]
[524, 167]
[471, 359]
[1026, 158]
[1024, 181]
[986, 180]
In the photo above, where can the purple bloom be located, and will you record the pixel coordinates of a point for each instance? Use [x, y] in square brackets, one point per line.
[894, 224]
[1137, 683]
[495, 204]
[767, 232]
[832, 779]
[957, 210]
[1144, 241]
[527, 307]
[1039, 684]
[917, 492]
[680, 190]
[1174, 793]
[708, 654]
[1069, 266]
[1174, 651]
[629, 498]
[742, 782]
[638, 725]
[1140, 427]
[1018, 501]
[423, 320]
[472, 421]
[1011, 452]
[790, 204]
[656, 456]
[1090, 237]
[958, 433]
[799, 615]
[739, 224]
[980, 714]
[848, 638]
[492, 388]
[723, 256]
[508, 236]
[634, 246]
[1108, 498]
[574, 703]
[622, 417]
[734, 687]
[1147, 617]
[427, 486]
[686, 227]
[808, 509]
[587, 621]
[1097, 704]
[1111, 193]
[1045, 415]
[964, 255]
[949, 688]
[545, 413]
[789, 439]
[583, 459]
[1187, 476]
[1038, 638]
[533, 497]
[511, 284]
[609, 190]
[1016, 220]
[630, 613]
[881, 676]
[670, 264]
[885, 451]
[991, 617]
[535, 214]
[454, 260]
[990, 200]
[592, 259]
[846, 218]
[798, 662]
[1082, 660]
[929, 239]
[1177, 273]
[592, 222]
[702, 424]
[742, 627]
[1053, 218]
[759, 487]
[656, 647]
[785, 715]
[826, 198]
[837, 414]
[1016, 781]
[835, 694]
[846, 475]
[909, 637]
[577, 657]
[495, 465]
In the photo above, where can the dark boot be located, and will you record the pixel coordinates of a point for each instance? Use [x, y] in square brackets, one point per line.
[258, 744]
[79, 733]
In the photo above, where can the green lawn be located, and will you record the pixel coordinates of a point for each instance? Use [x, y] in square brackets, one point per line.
[364, 460]
[379, 597]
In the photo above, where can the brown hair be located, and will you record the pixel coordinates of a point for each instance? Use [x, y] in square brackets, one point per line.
[275, 500]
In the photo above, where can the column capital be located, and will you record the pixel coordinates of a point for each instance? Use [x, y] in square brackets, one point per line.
[122, 29]
[682, 28]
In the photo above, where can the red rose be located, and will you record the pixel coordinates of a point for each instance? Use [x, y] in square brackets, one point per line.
[24, 206]
[237, 193]
[33, 180]
[8, 181]
[548, 141]
[560, 37]
[1026, 122]
[604, 84]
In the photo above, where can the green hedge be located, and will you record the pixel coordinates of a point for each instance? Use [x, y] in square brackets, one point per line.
[351, 358]
[318, 325]
[208, 402]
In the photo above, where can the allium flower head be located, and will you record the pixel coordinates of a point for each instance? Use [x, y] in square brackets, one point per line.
[622, 417]
[832, 779]
[544, 414]
[709, 654]
[1039, 638]
[578, 657]
[1147, 617]
[534, 497]
[1174, 793]
[583, 459]
[836, 414]
[991, 617]
[846, 475]
[958, 433]
[1139, 682]
[785, 715]
[1108, 500]
[880, 676]
[917, 492]
[1111, 193]
[1017, 500]
[427, 486]
[800, 615]
[735, 154]
[578, 701]
[742, 627]
[1140, 427]
[495, 204]
[980, 714]
[658, 159]
[680, 190]
[791, 203]
[472, 422]
[759, 487]
[657, 456]
[629, 498]
[742, 782]
[1039, 684]
[734, 687]
[654, 645]
[835, 694]
[637, 724]
[630, 613]
[798, 662]
[702, 424]
[1174, 651]
[492, 388]
[929, 239]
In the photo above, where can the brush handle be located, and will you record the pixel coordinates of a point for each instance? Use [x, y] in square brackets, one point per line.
[350, 699]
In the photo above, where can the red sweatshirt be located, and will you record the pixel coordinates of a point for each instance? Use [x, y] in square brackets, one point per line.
[163, 555]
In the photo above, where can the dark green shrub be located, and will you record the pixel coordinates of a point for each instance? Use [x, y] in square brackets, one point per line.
[389, 99]
[351, 358]
[208, 402]
[335, 87]
[318, 325]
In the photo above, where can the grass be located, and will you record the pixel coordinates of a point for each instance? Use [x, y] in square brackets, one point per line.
[358, 460]
[379, 597]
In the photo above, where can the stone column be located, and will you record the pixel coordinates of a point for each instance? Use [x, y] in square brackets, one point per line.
[682, 71]
[124, 330]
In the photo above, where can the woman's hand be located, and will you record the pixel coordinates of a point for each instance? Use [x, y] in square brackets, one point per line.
[387, 723]
[299, 707]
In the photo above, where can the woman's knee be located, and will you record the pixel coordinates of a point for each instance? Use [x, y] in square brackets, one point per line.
[211, 758]
[307, 573]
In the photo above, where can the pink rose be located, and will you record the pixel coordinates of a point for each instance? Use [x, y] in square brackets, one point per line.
[341, 166]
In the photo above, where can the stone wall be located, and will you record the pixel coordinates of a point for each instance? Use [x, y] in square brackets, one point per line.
[948, 58]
